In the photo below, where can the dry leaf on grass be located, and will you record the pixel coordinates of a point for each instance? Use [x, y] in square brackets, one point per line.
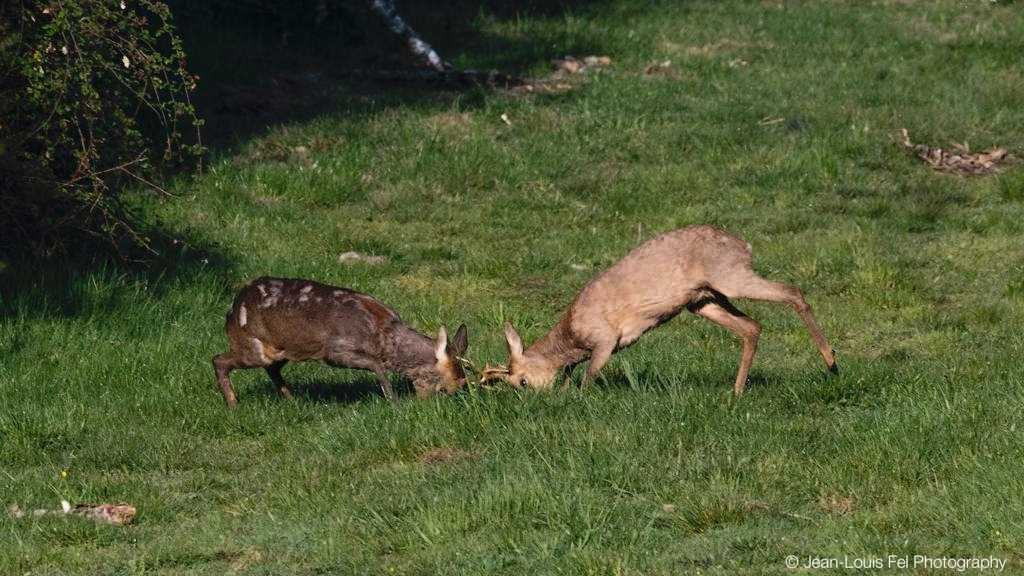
[663, 68]
[597, 60]
[542, 86]
[960, 160]
[117, 514]
[354, 257]
[568, 64]
[557, 82]
[573, 65]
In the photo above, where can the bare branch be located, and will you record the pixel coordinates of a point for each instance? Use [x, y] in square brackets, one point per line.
[419, 48]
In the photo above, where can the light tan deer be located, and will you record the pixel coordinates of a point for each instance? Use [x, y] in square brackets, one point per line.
[698, 268]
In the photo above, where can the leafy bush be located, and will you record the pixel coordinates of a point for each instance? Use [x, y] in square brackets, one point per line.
[94, 94]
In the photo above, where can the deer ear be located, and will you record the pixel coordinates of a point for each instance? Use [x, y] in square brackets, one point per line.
[515, 344]
[441, 345]
[461, 341]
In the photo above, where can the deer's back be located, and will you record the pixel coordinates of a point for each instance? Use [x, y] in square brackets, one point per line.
[302, 318]
[656, 280]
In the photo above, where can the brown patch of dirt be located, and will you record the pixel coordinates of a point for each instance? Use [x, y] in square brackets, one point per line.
[445, 454]
[836, 504]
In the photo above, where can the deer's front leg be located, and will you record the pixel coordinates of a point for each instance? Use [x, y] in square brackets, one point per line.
[598, 359]
[567, 374]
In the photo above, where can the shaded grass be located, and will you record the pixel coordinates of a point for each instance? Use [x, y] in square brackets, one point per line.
[916, 277]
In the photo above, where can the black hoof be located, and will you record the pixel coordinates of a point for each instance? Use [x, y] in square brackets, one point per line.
[834, 368]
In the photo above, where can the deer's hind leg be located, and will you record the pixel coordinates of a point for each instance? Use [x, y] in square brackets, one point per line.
[720, 311]
[223, 364]
[246, 352]
[274, 371]
[750, 285]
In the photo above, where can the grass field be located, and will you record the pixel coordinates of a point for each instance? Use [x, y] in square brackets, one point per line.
[916, 277]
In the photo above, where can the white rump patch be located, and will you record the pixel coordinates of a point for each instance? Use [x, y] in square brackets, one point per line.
[242, 318]
[307, 289]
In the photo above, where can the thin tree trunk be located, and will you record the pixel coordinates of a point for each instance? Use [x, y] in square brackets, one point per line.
[420, 49]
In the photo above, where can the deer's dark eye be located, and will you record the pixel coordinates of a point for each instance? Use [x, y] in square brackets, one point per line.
[523, 381]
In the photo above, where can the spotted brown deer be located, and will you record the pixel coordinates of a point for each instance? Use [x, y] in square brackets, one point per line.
[698, 268]
[276, 320]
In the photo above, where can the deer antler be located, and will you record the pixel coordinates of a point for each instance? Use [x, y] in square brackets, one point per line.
[467, 364]
[493, 372]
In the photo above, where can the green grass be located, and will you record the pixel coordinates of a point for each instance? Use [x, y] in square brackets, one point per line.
[916, 277]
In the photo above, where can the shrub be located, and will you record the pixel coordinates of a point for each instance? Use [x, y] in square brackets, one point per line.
[94, 94]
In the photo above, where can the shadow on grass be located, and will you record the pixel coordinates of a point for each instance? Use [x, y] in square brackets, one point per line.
[259, 70]
[91, 278]
[710, 379]
[341, 390]
[633, 377]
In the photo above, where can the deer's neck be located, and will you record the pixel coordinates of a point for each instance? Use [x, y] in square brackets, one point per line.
[558, 347]
[412, 352]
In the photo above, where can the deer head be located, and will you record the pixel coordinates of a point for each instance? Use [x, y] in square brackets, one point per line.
[524, 370]
[449, 360]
